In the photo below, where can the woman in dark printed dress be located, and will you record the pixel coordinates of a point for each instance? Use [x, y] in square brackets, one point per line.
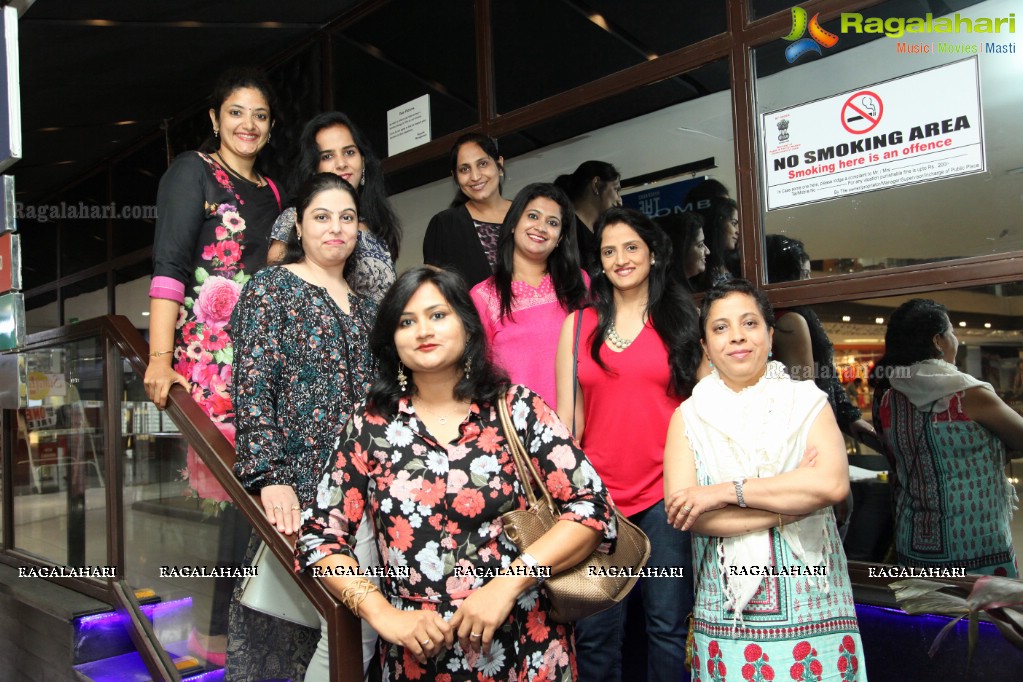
[464, 236]
[427, 458]
[215, 212]
[302, 361]
[332, 143]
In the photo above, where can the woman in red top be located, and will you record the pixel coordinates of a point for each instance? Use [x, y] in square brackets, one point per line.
[625, 364]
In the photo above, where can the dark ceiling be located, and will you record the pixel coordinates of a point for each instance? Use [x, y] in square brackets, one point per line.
[121, 85]
[98, 75]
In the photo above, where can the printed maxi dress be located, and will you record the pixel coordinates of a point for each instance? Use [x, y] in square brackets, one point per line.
[213, 232]
[436, 507]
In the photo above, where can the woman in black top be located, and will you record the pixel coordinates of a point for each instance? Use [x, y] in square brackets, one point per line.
[464, 236]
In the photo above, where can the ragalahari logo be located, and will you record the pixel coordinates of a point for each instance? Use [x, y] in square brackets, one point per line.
[800, 45]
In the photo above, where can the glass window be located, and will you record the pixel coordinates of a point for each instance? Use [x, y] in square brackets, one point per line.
[59, 466]
[988, 325]
[41, 312]
[415, 48]
[545, 48]
[916, 223]
[85, 299]
[134, 183]
[83, 225]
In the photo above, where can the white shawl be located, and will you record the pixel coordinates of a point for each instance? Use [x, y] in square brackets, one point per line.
[932, 383]
[758, 432]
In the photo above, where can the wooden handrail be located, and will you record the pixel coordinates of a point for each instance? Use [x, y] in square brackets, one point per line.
[219, 456]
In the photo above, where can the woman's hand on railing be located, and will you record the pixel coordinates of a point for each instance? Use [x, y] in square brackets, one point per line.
[280, 504]
[159, 379]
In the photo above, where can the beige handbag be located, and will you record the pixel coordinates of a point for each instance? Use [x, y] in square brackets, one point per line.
[272, 591]
[597, 583]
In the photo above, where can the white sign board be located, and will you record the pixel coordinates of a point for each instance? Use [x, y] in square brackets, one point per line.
[918, 128]
[408, 126]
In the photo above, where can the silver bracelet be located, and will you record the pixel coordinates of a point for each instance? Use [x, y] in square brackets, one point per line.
[738, 492]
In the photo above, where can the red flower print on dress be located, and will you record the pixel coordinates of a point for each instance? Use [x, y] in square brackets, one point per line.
[489, 440]
[413, 670]
[847, 663]
[222, 178]
[806, 668]
[559, 485]
[401, 533]
[214, 339]
[801, 650]
[354, 504]
[752, 652]
[536, 625]
[469, 502]
[715, 666]
[430, 493]
[757, 668]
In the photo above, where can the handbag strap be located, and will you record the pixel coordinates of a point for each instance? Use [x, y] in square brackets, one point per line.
[523, 464]
[575, 362]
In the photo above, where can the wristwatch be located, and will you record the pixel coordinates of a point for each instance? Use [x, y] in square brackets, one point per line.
[738, 492]
[530, 561]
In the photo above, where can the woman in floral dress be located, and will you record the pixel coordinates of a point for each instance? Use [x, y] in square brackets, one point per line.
[752, 465]
[427, 458]
[303, 363]
[332, 143]
[215, 213]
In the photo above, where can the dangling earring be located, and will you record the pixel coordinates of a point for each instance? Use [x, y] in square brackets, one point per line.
[710, 363]
[402, 379]
[362, 180]
[268, 138]
[770, 354]
[653, 260]
[216, 132]
[299, 234]
[468, 367]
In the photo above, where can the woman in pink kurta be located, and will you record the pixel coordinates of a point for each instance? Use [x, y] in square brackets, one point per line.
[536, 284]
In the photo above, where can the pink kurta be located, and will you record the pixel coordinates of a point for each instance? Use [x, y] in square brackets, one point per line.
[526, 344]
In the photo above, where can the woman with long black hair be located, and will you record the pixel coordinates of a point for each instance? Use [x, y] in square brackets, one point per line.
[623, 366]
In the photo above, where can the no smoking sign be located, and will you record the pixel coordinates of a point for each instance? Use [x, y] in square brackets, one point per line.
[862, 112]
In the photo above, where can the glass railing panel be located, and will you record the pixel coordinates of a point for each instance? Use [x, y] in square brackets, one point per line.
[173, 541]
[59, 453]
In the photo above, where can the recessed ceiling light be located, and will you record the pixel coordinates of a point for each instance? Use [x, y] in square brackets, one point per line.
[879, 320]
[962, 324]
[145, 313]
[846, 318]
[987, 325]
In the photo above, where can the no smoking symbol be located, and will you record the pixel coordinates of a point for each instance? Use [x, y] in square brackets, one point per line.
[862, 112]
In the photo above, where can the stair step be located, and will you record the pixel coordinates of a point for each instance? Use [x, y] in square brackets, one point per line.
[130, 668]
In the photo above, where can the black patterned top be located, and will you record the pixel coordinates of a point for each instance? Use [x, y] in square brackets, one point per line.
[300, 366]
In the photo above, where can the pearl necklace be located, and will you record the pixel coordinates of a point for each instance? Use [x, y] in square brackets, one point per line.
[616, 340]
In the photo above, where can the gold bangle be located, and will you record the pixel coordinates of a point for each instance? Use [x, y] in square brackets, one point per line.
[781, 524]
[355, 592]
[160, 352]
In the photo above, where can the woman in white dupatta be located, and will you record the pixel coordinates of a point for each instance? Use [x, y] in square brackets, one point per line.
[753, 463]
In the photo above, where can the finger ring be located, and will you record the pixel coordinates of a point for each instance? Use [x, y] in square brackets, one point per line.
[426, 643]
[277, 506]
[688, 508]
[476, 635]
[296, 507]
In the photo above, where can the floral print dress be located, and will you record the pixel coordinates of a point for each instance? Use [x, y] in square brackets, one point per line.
[213, 232]
[438, 506]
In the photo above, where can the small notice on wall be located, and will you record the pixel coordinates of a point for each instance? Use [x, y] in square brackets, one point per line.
[408, 126]
[918, 128]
